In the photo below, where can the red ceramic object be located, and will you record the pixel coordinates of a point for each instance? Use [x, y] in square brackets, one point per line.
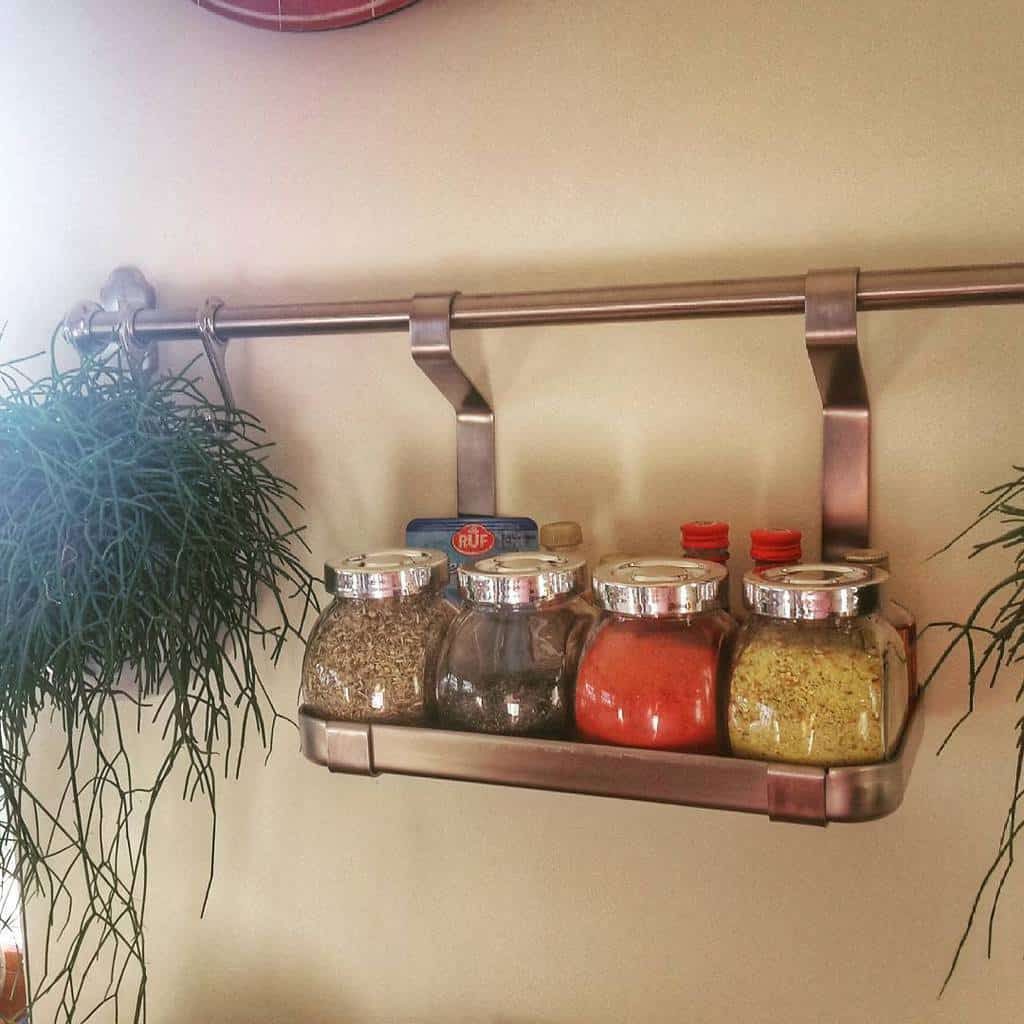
[302, 15]
[13, 996]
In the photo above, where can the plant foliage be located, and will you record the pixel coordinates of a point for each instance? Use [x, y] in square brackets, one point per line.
[148, 562]
[993, 638]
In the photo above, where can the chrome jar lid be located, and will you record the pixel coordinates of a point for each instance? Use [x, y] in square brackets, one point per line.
[659, 586]
[400, 572]
[522, 577]
[813, 591]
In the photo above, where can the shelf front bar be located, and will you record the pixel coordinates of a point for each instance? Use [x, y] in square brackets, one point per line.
[783, 792]
[766, 296]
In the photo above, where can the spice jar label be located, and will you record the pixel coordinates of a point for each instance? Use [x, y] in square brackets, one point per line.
[466, 539]
[473, 540]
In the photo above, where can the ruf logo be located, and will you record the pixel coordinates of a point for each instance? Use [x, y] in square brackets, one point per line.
[473, 539]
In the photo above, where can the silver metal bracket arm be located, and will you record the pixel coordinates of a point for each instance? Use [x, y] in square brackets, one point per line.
[135, 353]
[831, 330]
[216, 348]
[431, 341]
[124, 295]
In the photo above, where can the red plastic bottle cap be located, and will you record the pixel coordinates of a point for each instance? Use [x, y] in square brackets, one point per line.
[776, 545]
[705, 535]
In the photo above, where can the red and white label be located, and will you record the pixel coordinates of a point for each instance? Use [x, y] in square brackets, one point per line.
[473, 539]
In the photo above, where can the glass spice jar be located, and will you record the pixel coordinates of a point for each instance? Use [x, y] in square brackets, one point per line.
[899, 615]
[371, 654]
[708, 539]
[509, 658]
[818, 675]
[652, 666]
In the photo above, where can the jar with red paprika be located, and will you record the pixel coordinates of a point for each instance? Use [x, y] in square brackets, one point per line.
[652, 666]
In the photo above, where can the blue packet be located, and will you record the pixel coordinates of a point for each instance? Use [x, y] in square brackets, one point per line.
[469, 538]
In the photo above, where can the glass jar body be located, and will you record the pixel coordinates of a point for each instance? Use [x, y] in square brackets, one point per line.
[510, 669]
[373, 659]
[906, 625]
[824, 692]
[654, 682]
[720, 556]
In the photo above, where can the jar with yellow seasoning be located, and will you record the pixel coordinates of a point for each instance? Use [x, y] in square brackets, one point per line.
[899, 615]
[818, 675]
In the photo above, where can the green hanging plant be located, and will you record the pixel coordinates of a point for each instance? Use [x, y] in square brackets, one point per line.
[148, 561]
[993, 638]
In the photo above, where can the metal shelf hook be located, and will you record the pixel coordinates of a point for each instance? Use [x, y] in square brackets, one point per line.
[431, 344]
[216, 348]
[830, 311]
[135, 352]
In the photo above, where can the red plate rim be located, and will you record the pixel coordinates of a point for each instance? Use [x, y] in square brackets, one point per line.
[303, 15]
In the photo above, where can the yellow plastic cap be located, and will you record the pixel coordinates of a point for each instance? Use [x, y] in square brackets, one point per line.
[867, 556]
[566, 534]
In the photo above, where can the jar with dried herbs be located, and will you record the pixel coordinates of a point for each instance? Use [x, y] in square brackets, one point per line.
[372, 654]
[818, 675]
[509, 659]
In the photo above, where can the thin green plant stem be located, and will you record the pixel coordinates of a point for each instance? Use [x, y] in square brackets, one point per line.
[992, 637]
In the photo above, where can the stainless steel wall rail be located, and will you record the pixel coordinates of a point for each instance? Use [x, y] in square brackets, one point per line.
[766, 296]
[828, 299]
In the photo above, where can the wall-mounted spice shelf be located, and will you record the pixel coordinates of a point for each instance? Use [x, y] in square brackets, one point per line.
[784, 792]
[829, 301]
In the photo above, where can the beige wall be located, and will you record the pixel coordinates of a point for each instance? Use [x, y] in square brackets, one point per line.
[485, 146]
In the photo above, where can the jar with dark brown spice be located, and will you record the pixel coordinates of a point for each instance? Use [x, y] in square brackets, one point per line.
[371, 656]
[509, 659]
